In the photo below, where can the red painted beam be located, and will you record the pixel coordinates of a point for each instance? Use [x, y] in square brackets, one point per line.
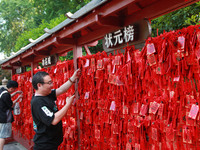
[102, 20]
[90, 19]
[6, 67]
[151, 11]
[157, 9]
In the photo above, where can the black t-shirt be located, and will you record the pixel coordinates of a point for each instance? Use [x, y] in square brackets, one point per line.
[5, 107]
[48, 136]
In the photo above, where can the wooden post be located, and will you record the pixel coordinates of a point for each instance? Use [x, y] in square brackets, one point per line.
[12, 72]
[33, 66]
[77, 52]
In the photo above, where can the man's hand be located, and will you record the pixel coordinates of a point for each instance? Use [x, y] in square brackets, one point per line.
[20, 97]
[69, 100]
[76, 75]
[18, 92]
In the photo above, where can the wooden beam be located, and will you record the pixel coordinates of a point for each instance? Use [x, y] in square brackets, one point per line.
[6, 67]
[27, 54]
[61, 49]
[40, 53]
[95, 35]
[77, 52]
[45, 44]
[108, 21]
[90, 19]
[64, 41]
[157, 9]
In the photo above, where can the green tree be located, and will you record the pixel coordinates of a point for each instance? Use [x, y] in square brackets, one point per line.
[48, 9]
[15, 18]
[19, 16]
[177, 19]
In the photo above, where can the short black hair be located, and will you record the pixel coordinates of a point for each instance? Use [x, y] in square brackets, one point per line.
[12, 84]
[38, 78]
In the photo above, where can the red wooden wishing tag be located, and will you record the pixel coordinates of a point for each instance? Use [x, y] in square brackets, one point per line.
[159, 69]
[160, 110]
[151, 59]
[193, 111]
[154, 134]
[143, 109]
[198, 37]
[128, 57]
[102, 104]
[176, 79]
[187, 136]
[125, 110]
[113, 106]
[106, 116]
[189, 121]
[137, 55]
[117, 81]
[169, 132]
[109, 68]
[88, 119]
[138, 121]
[137, 146]
[150, 49]
[110, 78]
[181, 43]
[113, 143]
[115, 128]
[92, 62]
[130, 126]
[128, 146]
[100, 64]
[136, 108]
[81, 115]
[198, 52]
[114, 81]
[117, 60]
[153, 107]
[97, 134]
[86, 95]
[87, 63]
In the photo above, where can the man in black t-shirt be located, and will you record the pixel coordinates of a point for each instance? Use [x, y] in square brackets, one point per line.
[47, 119]
[6, 107]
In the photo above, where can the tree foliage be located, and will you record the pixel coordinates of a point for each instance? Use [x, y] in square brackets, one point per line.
[15, 16]
[18, 17]
[177, 19]
[21, 20]
[34, 33]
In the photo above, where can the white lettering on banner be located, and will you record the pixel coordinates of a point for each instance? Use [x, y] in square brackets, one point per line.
[42, 62]
[129, 33]
[47, 111]
[109, 40]
[117, 36]
[46, 61]
[49, 60]
[120, 36]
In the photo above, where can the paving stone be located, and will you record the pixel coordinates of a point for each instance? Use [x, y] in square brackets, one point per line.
[14, 146]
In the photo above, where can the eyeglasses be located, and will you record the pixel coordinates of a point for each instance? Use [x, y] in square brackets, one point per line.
[50, 82]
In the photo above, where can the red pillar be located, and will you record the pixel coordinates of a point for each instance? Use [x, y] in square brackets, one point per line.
[77, 52]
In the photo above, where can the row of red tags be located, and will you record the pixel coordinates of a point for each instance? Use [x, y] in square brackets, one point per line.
[120, 79]
[23, 124]
[61, 72]
[174, 105]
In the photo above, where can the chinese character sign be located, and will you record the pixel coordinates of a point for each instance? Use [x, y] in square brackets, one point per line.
[50, 60]
[127, 34]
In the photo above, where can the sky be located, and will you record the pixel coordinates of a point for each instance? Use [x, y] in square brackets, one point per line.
[1, 56]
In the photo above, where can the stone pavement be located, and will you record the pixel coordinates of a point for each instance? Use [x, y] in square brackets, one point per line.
[14, 146]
